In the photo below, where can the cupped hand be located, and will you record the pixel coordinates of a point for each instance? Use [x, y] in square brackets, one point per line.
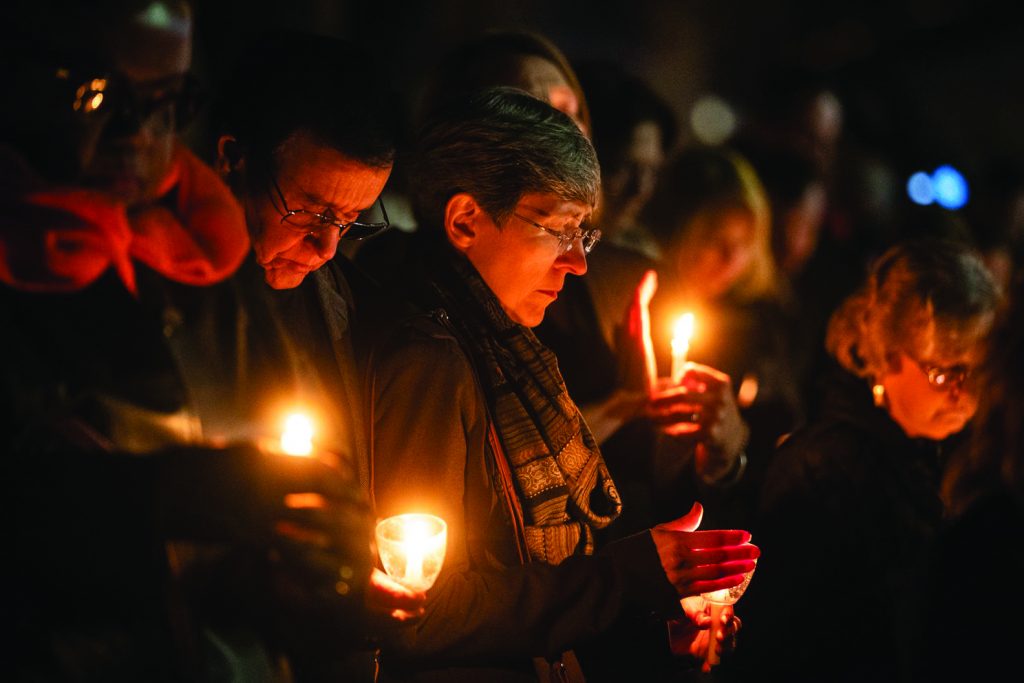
[698, 562]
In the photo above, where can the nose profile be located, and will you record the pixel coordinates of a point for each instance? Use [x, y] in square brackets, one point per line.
[325, 242]
[574, 259]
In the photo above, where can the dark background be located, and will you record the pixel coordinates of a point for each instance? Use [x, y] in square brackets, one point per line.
[924, 82]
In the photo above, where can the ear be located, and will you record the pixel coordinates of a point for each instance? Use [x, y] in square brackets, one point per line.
[462, 216]
[230, 159]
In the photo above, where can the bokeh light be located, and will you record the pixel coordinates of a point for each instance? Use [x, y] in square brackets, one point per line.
[713, 120]
[920, 189]
[950, 187]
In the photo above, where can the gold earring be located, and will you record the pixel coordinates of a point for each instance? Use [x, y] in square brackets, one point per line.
[878, 391]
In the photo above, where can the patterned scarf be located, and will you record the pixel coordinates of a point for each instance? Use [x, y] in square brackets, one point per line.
[554, 459]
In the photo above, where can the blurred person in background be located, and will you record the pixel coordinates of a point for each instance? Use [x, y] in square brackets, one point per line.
[976, 557]
[864, 476]
[634, 131]
[712, 220]
[518, 59]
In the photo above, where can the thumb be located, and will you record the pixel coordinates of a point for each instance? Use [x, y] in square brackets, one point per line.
[688, 522]
[641, 299]
[647, 287]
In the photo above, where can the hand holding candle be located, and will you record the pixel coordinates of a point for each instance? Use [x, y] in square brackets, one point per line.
[718, 600]
[412, 548]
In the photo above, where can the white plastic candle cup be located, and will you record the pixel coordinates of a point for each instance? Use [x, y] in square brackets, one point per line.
[412, 548]
[719, 599]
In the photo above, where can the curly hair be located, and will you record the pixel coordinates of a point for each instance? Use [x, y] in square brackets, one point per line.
[920, 297]
[996, 457]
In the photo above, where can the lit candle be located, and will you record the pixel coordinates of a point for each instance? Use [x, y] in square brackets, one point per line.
[412, 548]
[718, 600]
[297, 438]
[681, 345]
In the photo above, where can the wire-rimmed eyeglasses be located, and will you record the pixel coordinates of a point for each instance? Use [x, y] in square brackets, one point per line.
[315, 223]
[945, 377]
[566, 239]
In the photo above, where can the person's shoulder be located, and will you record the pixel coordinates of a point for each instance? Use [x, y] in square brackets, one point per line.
[825, 453]
[423, 341]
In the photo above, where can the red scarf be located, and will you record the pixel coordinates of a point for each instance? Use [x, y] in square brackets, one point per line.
[61, 240]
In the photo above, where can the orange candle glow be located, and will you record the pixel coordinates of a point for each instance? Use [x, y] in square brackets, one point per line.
[297, 437]
[681, 335]
[297, 440]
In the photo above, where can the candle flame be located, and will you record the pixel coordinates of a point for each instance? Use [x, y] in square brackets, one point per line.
[297, 438]
[412, 548]
[683, 330]
[681, 346]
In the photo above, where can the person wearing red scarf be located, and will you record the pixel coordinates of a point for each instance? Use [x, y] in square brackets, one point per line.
[129, 354]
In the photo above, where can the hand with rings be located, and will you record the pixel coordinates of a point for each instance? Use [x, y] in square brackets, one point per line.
[703, 407]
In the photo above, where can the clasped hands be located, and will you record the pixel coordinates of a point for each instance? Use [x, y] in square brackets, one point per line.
[313, 521]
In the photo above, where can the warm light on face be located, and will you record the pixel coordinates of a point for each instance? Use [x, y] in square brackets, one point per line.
[297, 438]
[412, 548]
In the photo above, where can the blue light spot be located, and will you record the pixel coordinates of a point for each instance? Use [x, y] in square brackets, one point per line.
[950, 187]
[920, 189]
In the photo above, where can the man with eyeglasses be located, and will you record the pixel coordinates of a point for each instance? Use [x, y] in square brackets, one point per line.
[307, 163]
[143, 547]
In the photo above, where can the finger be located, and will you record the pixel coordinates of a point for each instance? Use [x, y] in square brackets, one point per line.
[670, 400]
[693, 606]
[715, 538]
[707, 374]
[294, 474]
[719, 555]
[299, 534]
[331, 526]
[682, 413]
[688, 522]
[647, 287]
[709, 585]
[711, 572]
[385, 595]
[403, 616]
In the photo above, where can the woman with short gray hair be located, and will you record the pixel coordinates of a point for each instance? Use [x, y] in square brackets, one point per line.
[472, 421]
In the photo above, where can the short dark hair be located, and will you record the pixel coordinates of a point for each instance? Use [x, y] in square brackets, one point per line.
[288, 83]
[491, 60]
[498, 145]
[619, 102]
